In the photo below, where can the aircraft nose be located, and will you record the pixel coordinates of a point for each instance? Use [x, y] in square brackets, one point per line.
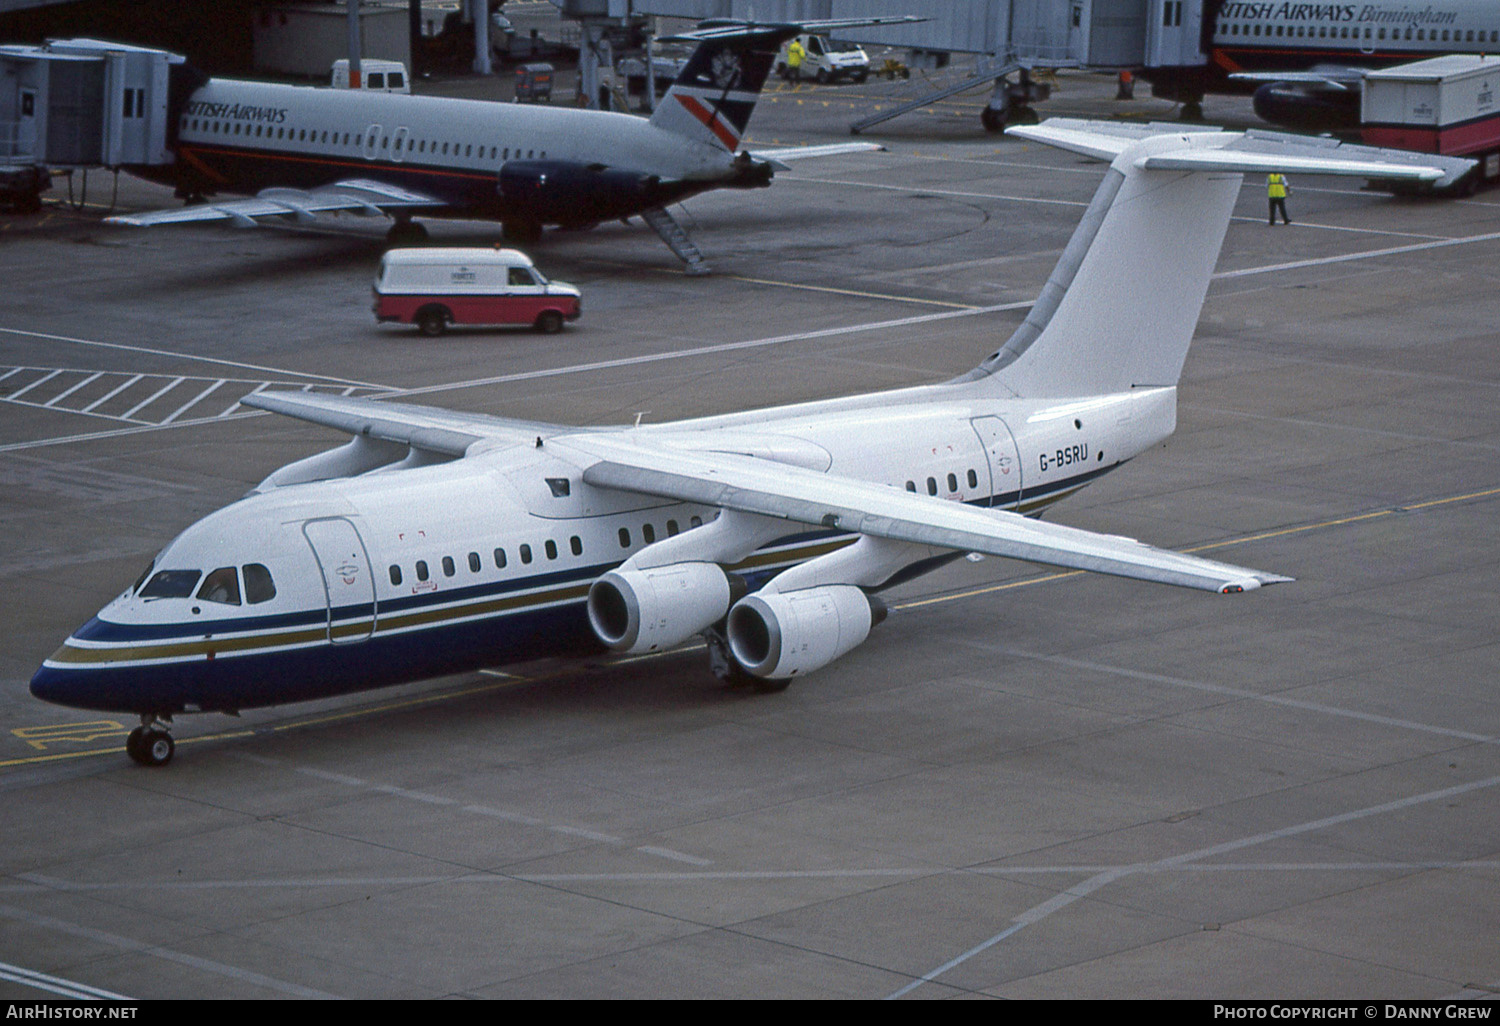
[50, 686]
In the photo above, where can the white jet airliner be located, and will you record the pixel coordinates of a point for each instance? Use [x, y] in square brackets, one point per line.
[301, 151]
[436, 542]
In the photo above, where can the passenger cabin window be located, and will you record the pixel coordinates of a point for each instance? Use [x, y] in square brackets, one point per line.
[624, 537]
[258, 584]
[171, 584]
[221, 586]
[448, 567]
[649, 533]
[474, 563]
[395, 574]
[499, 559]
[576, 544]
[551, 547]
[526, 553]
[421, 569]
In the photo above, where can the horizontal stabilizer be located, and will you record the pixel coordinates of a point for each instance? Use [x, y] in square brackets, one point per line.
[778, 157]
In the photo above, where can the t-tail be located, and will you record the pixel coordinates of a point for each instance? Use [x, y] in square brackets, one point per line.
[713, 97]
[1119, 310]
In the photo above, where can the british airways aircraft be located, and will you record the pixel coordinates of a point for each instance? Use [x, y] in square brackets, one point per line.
[301, 151]
[435, 542]
[1311, 57]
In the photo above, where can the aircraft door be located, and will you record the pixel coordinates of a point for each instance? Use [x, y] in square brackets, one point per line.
[1004, 460]
[400, 139]
[347, 581]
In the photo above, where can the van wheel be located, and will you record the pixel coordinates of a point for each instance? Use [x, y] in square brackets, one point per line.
[432, 321]
[549, 323]
[822, 76]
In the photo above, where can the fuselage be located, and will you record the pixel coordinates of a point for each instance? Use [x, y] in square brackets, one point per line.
[242, 137]
[1273, 35]
[398, 574]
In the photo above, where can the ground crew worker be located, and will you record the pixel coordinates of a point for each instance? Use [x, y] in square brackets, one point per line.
[1276, 190]
[794, 55]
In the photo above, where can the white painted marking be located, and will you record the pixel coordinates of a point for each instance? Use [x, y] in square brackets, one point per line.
[1365, 255]
[153, 397]
[167, 954]
[194, 401]
[63, 395]
[111, 394]
[45, 378]
[675, 856]
[184, 356]
[1087, 887]
[57, 985]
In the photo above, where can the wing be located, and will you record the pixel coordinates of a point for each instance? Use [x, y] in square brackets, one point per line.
[428, 428]
[747, 484]
[363, 196]
[1331, 76]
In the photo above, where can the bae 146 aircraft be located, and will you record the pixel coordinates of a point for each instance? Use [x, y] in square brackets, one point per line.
[436, 542]
[301, 151]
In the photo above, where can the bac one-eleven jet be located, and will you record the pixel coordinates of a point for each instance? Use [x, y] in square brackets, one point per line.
[299, 151]
[436, 542]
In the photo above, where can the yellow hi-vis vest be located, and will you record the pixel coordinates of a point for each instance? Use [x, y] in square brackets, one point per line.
[1276, 186]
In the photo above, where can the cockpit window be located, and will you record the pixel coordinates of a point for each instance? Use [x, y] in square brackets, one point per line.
[258, 584]
[142, 579]
[222, 586]
[171, 584]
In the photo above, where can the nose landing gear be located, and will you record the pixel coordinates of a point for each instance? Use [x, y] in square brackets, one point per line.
[150, 744]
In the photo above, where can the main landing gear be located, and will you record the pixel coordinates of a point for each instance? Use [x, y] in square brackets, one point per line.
[150, 744]
[727, 669]
[406, 232]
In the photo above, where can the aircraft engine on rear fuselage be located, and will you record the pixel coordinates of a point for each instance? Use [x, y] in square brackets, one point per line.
[560, 192]
[636, 610]
[776, 635]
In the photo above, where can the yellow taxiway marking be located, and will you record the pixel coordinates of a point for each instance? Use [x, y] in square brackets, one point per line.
[60, 732]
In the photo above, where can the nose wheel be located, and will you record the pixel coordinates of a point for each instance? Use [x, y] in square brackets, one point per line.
[150, 744]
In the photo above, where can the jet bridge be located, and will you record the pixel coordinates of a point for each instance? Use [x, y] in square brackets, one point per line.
[78, 104]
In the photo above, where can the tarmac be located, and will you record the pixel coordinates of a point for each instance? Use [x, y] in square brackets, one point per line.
[1026, 784]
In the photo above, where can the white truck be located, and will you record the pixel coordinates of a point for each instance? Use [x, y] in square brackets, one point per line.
[1446, 105]
[375, 76]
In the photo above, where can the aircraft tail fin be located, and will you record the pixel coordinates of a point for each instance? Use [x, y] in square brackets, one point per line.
[1120, 308]
[714, 95]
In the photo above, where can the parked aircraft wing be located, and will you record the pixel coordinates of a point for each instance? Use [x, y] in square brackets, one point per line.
[363, 196]
[423, 427]
[727, 29]
[1339, 77]
[647, 464]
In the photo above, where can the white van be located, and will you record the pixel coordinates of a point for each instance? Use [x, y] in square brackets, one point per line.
[375, 76]
[826, 60]
[436, 286]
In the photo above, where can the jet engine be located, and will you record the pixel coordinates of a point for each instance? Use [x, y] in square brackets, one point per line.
[636, 610]
[776, 635]
[570, 194]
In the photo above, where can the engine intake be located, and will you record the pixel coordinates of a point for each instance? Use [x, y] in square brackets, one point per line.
[776, 635]
[634, 611]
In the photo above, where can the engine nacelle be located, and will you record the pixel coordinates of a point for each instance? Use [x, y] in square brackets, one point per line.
[633, 610]
[776, 635]
[560, 192]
